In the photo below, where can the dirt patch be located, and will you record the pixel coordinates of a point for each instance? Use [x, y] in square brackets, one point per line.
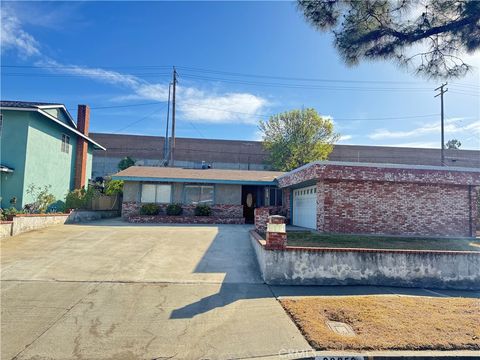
[388, 322]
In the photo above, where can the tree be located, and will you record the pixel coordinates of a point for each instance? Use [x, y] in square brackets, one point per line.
[295, 138]
[125, 163]
[453, 144]
[443, 30]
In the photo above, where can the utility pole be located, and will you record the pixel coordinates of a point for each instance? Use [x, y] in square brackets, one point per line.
[166, 155]
[442, 91]
[174, 86]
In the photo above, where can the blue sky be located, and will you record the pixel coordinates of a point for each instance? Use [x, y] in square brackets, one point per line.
[118, 56]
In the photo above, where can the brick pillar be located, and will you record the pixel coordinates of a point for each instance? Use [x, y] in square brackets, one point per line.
[276, 233]
[83, 122]
[261, 219]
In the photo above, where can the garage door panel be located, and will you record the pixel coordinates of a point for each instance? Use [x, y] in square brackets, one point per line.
[305, 207]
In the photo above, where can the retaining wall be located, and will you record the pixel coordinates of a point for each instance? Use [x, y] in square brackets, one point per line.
[6, 228]
[27, 222]
[321, 266]
[79, 216]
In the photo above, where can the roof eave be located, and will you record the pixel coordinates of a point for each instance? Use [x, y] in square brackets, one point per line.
[199, 181]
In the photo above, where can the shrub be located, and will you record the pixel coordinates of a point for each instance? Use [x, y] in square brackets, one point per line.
[149, 209]
[203, 210]
[80, 198]
[174, 209]
[6, 213]
[43, 198]
[56, 207]
[113, 187]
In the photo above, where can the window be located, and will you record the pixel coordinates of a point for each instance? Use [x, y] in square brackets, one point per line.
[273, 197]
[1, 124]
[65, 143]
[198, 194]
[156, 193]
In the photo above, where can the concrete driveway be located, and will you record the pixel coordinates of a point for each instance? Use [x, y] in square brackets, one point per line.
[108, 290]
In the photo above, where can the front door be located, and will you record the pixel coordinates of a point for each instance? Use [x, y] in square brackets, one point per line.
[249, 202]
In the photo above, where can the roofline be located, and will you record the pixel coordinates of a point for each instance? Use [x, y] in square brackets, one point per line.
[201, 181]
[380, 165]
[40, 111]
[61, 106]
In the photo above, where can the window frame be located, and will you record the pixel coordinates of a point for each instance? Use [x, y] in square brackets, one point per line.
[278, 196]
[184, 194]
[65, 148]
[156, 192]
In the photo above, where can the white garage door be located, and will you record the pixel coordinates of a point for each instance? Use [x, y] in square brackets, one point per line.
[305, 207]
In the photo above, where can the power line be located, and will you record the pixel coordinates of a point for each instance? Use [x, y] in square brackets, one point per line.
[302, 86]
[141, 119]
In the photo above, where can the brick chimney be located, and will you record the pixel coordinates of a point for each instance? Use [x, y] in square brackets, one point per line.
[83, 122]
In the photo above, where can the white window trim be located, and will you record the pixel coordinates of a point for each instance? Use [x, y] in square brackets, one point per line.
[156, 202]
[184, 197]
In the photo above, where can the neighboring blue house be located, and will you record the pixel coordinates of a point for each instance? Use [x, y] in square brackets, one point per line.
[42, 145]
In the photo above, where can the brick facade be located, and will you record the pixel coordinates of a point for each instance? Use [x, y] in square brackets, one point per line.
[262, 214]
[393, 208]
[391, 200]
[162, 219]
[220, 210]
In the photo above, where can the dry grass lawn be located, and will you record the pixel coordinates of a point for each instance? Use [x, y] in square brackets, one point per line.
[389, 322]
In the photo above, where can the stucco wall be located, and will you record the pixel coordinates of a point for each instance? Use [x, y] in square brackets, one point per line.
[131, 191]
[46, 164]
[225, 194]
[13, 147]
[303, 266]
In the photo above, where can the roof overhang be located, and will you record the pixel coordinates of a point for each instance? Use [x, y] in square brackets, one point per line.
[197, 181]
[53, 118]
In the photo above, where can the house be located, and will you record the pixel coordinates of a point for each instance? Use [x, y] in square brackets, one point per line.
[336, 197]
[366, 198]
[41, 145]
[250, 155]
[230, 193]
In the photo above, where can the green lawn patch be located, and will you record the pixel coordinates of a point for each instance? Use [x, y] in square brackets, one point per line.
[311, 239]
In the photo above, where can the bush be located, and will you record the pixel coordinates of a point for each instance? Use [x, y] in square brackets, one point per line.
[79, 198]
[43, 198]
[114, 187]
[149, 209]
[56, 207]
[174, 209]
[203, 210]
[5, 213]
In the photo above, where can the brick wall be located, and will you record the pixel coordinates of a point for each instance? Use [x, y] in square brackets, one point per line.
[394, 208]
[391, 200]
[131, 208]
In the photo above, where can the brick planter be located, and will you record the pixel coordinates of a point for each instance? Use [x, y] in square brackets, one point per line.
[162, 219]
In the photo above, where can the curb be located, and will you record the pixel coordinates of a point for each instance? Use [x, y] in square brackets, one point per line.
[387, 355]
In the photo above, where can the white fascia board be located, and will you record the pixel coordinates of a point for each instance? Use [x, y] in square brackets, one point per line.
[59, 106]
